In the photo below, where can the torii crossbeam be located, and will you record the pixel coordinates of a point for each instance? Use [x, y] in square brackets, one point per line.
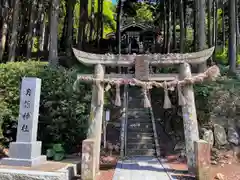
[153, 59]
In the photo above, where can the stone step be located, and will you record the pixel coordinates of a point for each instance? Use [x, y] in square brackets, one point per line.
[132, 120]
[140, 146]
[145, 118]
[136, 102]
[134, 93]
[139, 109]
[147, 125]
[140, 130]
[140, 141]
[139, 134]
[141, 152]
[135, 97]
[137, 105]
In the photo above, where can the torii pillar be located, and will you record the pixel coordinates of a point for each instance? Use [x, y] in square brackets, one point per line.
[189, 118]
[91, 146]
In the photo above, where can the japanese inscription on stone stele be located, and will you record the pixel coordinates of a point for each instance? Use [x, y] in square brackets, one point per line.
[26, 115]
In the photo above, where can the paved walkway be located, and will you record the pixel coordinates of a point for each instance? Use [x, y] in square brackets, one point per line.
[140, 168]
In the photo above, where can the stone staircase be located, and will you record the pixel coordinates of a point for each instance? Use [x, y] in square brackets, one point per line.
[139, 135]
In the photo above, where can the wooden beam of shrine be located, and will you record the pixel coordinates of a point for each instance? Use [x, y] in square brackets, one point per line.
[154, 59]
[152, 77]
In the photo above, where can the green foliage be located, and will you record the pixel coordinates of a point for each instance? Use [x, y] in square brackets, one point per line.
[63, 112]
[56, 153]
[108, 16]
[144, 12]
[222, 56]
[223, 93]
[202, 96]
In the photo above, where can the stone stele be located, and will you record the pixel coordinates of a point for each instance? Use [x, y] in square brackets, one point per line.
[26, 151]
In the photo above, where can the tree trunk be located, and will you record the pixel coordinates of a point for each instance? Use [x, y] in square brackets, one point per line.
[182, 31]
[185, 19]
[47, 30]
[215, 28]
[196, 15]
[101, 20]
[214, 24]
[209, 9]
[201, 34]
[22, 29]
[92, 20]
[237, 27]
[42, 33]
[174, 25]
[232, 36]
[4, 37]
[1, 9]
[30, 29]
[165, 27]
[47, 37]
[98, 20]
[5, 20]
[70, 20]
[80, 30]
[85, 21]
[14, 33]
[53, 48]
[223, 27]
[64, 29]
[119, 14]
[169, 26]
[41, 22]
[83, 17]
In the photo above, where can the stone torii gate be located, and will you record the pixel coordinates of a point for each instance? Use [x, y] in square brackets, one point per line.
[143, 78]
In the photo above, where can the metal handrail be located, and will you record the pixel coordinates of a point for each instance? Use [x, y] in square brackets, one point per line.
[126, 118]
[154, 128]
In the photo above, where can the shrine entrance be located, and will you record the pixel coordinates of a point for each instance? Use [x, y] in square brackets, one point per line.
[142, 117]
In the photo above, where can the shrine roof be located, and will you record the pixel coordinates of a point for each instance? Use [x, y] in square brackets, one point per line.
[133, 22]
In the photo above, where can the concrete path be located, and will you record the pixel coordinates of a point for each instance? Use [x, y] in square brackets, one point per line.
[140, 168]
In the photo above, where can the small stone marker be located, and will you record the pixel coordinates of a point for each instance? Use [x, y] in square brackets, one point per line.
[26, 151]
[202, 155]
[88, 164]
